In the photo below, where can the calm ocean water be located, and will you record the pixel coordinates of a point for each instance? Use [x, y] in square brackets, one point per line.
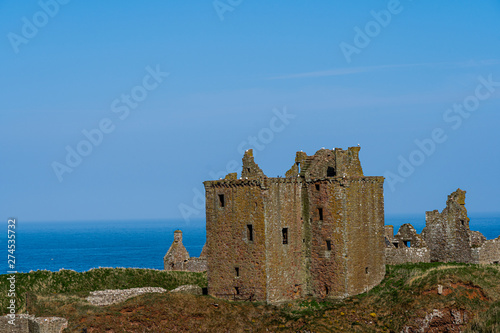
[84, 245]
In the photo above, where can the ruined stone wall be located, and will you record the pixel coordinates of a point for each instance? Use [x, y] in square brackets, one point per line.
[236, 263]
[397, 256]
[333, 163]
[488, 253]
[284, 262]
[25, 323]
[50, 325]
[406, 246]
[22, 323]
[476, 239]
[195, 264]
[364, 232]
[447, 233]
[178, 259]
[389, 232]
[407, 237]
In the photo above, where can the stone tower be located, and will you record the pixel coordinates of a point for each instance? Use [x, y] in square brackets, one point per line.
[318, 231]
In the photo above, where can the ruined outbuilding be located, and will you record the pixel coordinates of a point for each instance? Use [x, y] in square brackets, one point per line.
[450, 239]
[488, 252]
[445, 238]
[318, 231]
[447, 233]
[406, 246]
[178, 259]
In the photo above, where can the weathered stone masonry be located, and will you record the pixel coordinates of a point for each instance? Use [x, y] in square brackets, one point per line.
[445, 238]
[319, 231]
[178, 259]
[25, 323]
[406, 246]
[450, 239]
[447, 233]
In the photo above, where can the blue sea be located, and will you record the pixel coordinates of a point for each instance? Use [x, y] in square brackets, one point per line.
[83, 245]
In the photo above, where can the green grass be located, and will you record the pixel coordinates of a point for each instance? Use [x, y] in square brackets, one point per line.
[486, 322]
[45, 283]
[408, 292]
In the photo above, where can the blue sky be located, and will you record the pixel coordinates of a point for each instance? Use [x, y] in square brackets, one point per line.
[177, 89]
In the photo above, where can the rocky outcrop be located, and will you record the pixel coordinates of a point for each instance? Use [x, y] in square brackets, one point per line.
[440, 320]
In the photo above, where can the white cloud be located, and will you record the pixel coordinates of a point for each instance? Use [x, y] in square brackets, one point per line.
[356, 70]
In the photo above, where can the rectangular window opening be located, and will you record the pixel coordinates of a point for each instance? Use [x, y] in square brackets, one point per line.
[237, 290]
[237, 271]
[366, 270]
[317, 187]
[285, 235]
[320, 213]
[328, 245]
[221, 200]
[249, 232]
[407, 243]
[396, 245]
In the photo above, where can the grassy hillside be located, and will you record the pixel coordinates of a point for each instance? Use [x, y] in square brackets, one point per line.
[68, 282]
[469, 300]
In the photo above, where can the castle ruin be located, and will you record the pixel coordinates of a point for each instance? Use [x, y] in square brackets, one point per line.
[445, 238]
[178, 259]
[406, 246]
[318, 231]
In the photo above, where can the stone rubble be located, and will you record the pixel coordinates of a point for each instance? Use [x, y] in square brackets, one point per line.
[113, 296]
[188, 289]
[25, 323]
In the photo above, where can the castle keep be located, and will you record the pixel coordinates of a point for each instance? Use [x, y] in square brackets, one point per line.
[318, 231]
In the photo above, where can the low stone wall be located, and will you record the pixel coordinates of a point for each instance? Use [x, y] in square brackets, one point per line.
[488, 253]
[51, 324]
[195, 264]
[21, 321]
[396, 256]
[112, 296]
[25, 323]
